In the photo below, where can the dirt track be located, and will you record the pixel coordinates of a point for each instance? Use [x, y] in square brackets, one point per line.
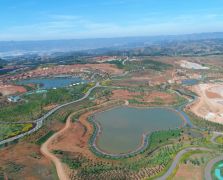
[53, 141]
[45, 151]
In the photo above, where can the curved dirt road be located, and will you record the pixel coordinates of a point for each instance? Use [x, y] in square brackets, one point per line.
[63, 176]
[44, 148]
[45, 151]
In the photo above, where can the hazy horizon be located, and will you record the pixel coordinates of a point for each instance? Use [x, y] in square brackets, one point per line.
[58, 20]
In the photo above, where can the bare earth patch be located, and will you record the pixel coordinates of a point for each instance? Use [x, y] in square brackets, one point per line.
[210, 102]
[28, 157]
[123, 94]
[186, 171]
[72, 138]
[11, 89]
[144, 97]
[212, 95]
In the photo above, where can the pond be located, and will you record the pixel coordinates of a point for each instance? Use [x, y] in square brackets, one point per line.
[123, 127]
[6, 70]
[56, 82]
[190, 82]
[218, 171]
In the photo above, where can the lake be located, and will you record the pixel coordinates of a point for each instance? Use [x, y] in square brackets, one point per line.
[7, 70]
[123, 127]
[190, 82]
[56, 82]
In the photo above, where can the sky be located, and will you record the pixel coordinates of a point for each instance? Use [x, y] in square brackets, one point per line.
[77, 19]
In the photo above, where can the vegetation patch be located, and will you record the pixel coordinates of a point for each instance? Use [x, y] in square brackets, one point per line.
[204, 124]
[44, 138]
[160, 137]
[11, 130]
[73, 161]
[118, 63]
[147, 64]
[13, 167]
[33, 105]
[219, 140]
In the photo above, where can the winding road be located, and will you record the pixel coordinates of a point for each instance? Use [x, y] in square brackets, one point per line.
[63, 176]
[39, 122]
[209, 166]
[216, 134]
[45, 151]
[211, 163]
[59, 166]
[177, 160]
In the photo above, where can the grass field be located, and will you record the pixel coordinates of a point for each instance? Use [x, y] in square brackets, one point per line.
[219, 139]
[33, 105]
[10, 130]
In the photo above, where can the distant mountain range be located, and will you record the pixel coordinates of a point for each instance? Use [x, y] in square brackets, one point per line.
[15, 48]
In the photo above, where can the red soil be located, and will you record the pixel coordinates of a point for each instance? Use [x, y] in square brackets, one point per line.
[11, 89]
[124, 94]
[168, 98]
[212, 95]
[21, 154]
[146, 97]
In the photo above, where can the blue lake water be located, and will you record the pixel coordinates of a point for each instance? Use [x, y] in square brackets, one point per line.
[190, 82]
[6, 70]
[49, 83]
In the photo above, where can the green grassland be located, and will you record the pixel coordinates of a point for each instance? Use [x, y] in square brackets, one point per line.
[10, 130]
[219, 140]
[146, 64]
[33, 105]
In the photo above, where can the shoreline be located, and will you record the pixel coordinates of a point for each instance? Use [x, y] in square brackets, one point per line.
[93, 141]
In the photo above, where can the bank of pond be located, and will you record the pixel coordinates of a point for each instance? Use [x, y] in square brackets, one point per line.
[122, 128]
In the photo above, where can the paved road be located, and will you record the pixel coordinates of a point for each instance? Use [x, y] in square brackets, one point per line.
[216, 134]
[177, 160]
[209, 166]
[39, 122]
[207, 174]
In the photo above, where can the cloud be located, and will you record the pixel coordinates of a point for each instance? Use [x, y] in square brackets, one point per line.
[65, 26]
